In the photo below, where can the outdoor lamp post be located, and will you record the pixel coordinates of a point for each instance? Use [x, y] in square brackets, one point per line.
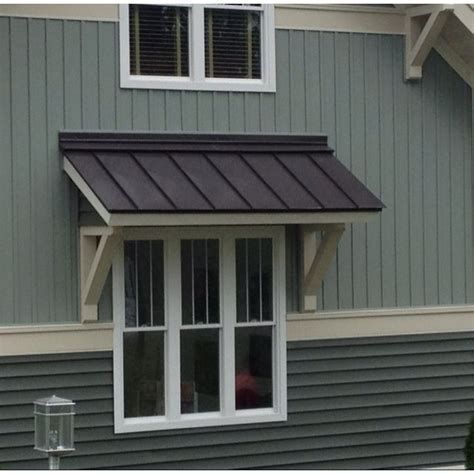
[54, 427]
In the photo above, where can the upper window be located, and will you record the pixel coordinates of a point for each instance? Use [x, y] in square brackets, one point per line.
[220, 47]
[199, 328]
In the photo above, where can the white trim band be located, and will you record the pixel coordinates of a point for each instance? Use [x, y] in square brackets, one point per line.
[55, 339]
[380, 322]
[348, 18]
[63, 338]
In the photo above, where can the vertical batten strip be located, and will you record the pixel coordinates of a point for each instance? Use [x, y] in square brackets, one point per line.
[468, 180]
[7, 279]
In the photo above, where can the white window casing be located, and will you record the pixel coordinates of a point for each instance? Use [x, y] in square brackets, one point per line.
[197, 79]
[228, 414]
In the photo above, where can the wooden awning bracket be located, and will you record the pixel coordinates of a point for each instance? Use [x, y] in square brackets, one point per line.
[317, 256]
[97, 249]
[419, 40]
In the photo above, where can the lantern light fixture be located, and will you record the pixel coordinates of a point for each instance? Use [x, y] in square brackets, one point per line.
[54, 427]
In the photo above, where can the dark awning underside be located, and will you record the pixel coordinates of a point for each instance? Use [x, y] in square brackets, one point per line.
[139, 173]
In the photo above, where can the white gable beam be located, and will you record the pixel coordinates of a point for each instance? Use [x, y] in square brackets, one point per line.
[418, 46]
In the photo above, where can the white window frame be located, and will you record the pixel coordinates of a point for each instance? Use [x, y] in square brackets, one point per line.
[228, 415]
[197, 79]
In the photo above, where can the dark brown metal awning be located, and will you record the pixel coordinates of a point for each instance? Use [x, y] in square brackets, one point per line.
[195, 173]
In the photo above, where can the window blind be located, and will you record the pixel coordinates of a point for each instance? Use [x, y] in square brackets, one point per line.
[232, 43]
[159, 44]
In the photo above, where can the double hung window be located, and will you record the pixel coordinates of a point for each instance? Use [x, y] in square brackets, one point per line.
[215, 47]
[199, 328]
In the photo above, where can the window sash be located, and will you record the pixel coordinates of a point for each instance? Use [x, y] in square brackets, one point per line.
[213, 50]
[228, 414]
[197, 79]
[181, 62]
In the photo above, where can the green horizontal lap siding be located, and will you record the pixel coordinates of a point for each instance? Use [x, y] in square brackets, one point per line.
[362, 403]
[409, 142]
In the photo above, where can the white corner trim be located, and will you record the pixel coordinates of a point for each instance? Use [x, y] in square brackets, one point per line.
[55, 338]
[380, 322]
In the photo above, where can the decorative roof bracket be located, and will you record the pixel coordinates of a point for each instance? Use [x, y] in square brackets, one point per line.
[419, 41]
[317, 256]
[97, 249]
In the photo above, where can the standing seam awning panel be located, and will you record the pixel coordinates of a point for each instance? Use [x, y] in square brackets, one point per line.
[166, 174]
[130, 176]
[214, 173]
[247, 183]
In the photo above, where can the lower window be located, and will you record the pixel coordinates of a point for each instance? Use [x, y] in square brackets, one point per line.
[199, 328]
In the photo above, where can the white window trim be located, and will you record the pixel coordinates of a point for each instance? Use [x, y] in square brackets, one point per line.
[228, 415]
[197, 79]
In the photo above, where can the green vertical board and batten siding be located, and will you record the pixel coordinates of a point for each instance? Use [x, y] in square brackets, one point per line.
[409, 142]
[391, 402]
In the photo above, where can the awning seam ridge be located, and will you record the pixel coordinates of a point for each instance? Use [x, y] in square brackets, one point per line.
[226, 180]
[263, 181]
[150, 177]
[298, 180]
[122, 190]
[310, 156]
[195, 186]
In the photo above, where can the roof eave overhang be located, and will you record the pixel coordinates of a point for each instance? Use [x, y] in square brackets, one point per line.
[238, 218]
[142, 219]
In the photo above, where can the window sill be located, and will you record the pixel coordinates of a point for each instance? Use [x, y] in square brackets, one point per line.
[198, 420]
[184, 83]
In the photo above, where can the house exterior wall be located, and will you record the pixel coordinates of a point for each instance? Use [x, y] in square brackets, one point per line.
[409, 142]
[360, 403]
